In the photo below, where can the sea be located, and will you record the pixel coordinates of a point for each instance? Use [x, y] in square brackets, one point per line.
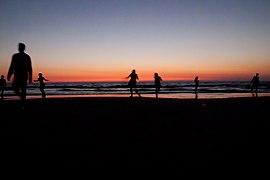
[169, 89]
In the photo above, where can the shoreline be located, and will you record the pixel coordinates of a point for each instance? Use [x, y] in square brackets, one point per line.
[160, 96]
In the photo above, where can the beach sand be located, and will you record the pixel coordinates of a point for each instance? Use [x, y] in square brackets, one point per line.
[108, 132]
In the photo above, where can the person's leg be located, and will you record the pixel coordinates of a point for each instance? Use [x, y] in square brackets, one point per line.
[138, 92]
[42, 93]
[2, 94]
[131, 92]
[23, 94]
[196, 95]
[16, 86]
[17, 91]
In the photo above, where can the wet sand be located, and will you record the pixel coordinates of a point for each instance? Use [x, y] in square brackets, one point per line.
[118, 132]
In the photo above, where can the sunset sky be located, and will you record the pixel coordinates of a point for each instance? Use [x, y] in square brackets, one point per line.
[103, 40]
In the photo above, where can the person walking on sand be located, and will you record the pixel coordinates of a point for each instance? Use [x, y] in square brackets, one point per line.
[21, 69]
[3, 85]
[196, 82]
[255, 82]
[158, 80]
[132, 84]
[41, 80]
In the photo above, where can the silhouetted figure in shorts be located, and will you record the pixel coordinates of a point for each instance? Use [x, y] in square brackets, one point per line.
[41, 80]
[132, 84]
[158, 80]
[21, 69]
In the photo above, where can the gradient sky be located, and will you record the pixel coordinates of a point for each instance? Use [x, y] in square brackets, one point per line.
[96, 40]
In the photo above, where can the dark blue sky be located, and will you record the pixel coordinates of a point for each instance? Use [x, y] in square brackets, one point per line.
[171, 36]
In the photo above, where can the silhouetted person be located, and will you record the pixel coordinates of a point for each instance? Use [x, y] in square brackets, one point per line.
[158, 80]
[41, 80]
[21, 69]
[255, 83]
[3, 85]
[133, 82]
[196, 82]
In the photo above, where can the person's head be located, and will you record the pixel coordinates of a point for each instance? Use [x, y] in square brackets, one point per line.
[257, 74]
[2, 76]
[40, 74]
[21, 47]
[133, 71]
[156, 74]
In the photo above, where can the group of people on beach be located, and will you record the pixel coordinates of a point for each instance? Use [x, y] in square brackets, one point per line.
[21, 69]
[132, 84]
[255, 82]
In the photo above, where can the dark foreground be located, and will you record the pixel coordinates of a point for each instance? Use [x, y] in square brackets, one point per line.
[221, 134]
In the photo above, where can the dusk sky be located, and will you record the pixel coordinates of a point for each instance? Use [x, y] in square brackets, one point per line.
[100, 40]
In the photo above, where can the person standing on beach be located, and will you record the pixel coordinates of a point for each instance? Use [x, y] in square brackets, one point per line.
[133, 82]
[21, 69]
[3, 85]
[41, 80]
[255, 83]
[158, 80]
[196, 82]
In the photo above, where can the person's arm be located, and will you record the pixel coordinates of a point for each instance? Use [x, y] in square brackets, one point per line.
[128, 76]
[30, 76]
[251, 80]
[30, 71]
[11, 69]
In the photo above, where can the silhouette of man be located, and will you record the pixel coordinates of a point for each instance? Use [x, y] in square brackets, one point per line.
[255, 83]
[3, 85]
[41, 80]
[158, 80]
[133, 82]
[196, 81]
[21, 69]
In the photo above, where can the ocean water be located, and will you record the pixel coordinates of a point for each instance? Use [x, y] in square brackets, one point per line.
[169, 89]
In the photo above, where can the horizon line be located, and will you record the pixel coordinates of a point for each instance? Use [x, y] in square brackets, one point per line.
[96, 81]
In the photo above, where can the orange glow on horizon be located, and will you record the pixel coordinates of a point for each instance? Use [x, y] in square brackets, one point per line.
[147, 77]
[169, 73]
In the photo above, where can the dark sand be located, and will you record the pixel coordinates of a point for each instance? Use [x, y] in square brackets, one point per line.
[220, 134]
